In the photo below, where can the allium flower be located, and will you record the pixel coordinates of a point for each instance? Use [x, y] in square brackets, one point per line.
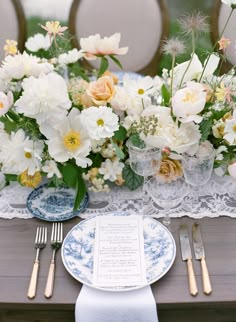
[44, 99]
[69, 140]
[50, 167]
[230, 3]
[37, 42]
[54, 28]
[194, 22]
[18, 153]
[100, 122]
[111, 170]
[6, 102]
[69, 58]
[10, 47]
[21, 65]
[173, 47]
[95, 45]
[224, 43]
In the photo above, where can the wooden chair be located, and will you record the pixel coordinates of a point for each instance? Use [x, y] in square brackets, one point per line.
[143, 25]
[12, 24]
[220, 14]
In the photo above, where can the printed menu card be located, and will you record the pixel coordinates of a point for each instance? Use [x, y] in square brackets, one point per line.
[119, 252]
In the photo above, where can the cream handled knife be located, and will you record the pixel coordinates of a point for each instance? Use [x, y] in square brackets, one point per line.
[200, 255]
[187, 256]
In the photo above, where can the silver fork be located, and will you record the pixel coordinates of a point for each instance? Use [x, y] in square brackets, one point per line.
[40, 242]
[56, 241]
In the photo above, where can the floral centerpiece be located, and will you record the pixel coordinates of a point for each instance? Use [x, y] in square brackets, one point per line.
[60, 121]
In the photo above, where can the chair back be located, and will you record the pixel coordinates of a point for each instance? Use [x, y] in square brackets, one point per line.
[12, 24]
[219, 18]
[143, 25]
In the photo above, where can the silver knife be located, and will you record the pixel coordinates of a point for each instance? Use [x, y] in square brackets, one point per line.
[200, 255]
[187, 256]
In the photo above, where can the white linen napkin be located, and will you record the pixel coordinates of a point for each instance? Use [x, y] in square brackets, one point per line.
[93, 305]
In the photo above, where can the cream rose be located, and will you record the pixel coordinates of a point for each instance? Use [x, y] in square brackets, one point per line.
[188, 102]
[170, 170]
[101, 91]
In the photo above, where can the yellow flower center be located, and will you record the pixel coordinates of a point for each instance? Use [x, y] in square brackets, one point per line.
[190, 97]
[28, 155]
[234, 128]
[1, 105]
[140, 91]
[72, 140]
[100, 122]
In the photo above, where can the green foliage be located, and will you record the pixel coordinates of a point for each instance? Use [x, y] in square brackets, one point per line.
[118, 150]
[103, 66]
[165, 96]
[116, 61]
[132, 180]
[80, 191]
[120, 134]
[137, 141]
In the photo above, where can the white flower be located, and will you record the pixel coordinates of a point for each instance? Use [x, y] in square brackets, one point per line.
[230, 3]
[44, 99]
[51, 169]
[37, 42]
[21, 65]
[230, 131]
[232, 170]
[69, 140]
[111, 169]
[188, 102]
[141, 87]
[100, 122]
[6, 102]
[95, 45]
[18, 153]
[69, 58]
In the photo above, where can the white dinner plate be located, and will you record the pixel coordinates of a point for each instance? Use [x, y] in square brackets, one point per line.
[78, 246]
[54, 204]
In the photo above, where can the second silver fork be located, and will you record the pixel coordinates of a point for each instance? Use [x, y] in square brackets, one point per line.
[56, 241]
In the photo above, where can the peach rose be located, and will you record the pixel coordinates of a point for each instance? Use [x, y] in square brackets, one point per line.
[102, 90]
[170, 170]
[114, 77]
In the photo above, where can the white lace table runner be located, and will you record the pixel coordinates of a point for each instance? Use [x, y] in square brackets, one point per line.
[217, 198]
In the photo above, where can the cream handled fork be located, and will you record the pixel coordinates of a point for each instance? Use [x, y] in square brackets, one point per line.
[40, 242]
[56, 241]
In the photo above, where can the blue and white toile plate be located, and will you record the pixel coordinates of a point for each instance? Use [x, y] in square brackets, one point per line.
[78, 246]
[54, 204]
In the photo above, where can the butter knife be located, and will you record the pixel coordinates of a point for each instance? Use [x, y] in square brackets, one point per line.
[200, 255]
[187, 256]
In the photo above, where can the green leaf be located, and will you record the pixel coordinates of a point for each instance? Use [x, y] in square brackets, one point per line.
[132, 180]
[9, 126]
[205, 128]
[70, 174]
[137, 141]
[118, 151]
[97, 159]
[116, 61]
[103, 66]
[80, 191]
[11, 177]
[165, 95]
[120, 134]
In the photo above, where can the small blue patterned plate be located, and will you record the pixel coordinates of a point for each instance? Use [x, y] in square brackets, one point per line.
[54, 204]
[78, 246]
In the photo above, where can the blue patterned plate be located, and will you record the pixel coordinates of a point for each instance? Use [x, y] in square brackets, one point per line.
[54, 204]
[78, 246]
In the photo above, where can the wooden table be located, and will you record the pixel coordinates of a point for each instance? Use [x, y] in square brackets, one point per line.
[171, 292]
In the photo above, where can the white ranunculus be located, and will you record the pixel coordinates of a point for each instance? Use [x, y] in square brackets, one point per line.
[111, 169]
[18, 153]
[100, 122]
[69, 140]
[188, 102]
[37, 42]
[70, 58]
[45, 98]
[21, 65]
[232, 170]
[95, 45]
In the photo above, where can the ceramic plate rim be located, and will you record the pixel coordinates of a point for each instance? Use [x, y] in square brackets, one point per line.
[117, 289]
[84, 204]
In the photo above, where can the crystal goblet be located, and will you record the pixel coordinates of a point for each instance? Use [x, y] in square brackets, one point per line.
[144, 161]
[198, 168]
[167, 195]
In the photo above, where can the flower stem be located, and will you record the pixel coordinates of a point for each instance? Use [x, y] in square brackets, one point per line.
[193, 52]
[172, 75]
[214, 47]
